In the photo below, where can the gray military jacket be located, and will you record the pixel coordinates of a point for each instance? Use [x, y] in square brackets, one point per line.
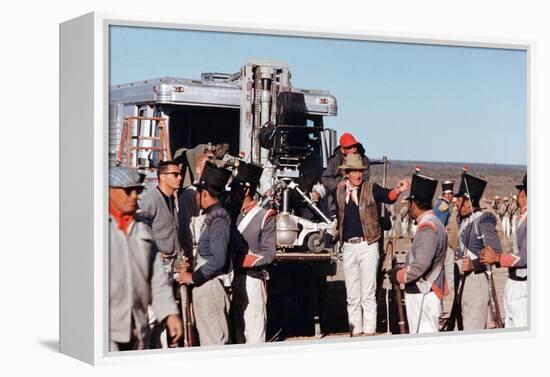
[428, 250]
[260, 238]
[517, 260]
[136, 279]
[165, 222]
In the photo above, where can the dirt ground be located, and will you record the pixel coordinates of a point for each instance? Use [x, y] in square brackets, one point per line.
[293, 311]
[292, 316]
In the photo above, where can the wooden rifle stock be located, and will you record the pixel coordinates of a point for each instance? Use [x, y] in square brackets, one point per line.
[401, 315]
[495, 309]
[188, 328]
[398, 298]
[456, 312]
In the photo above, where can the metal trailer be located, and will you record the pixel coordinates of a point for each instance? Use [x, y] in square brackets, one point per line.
[222, 107]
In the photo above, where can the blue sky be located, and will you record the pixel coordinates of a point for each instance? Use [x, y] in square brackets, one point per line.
[406, 101]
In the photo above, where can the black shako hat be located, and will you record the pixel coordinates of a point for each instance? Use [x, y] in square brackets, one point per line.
[213, 178]
[247, 175]
[523, 184]
[422, 188]
[472, 185]
[447, 187]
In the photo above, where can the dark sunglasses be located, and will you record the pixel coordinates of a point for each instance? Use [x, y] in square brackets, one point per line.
[351, 146]
[129, 190]
[174, 173]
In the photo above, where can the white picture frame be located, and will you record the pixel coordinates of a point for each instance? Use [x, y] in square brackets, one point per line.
[84, 85]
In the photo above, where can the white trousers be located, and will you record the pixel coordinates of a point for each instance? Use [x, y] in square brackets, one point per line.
[248, 307]
[360, 265]
[428, 312]
[515, 303]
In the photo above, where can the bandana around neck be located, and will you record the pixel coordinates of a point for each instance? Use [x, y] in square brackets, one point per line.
[351, 192]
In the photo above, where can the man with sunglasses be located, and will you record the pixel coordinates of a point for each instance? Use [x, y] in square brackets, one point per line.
[160, 205]
[137, 278]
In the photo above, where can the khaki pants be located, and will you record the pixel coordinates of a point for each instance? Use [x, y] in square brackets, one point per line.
[475, 301]
[248, 307]
[211, 310]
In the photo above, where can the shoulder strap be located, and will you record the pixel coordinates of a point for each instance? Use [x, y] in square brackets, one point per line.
[248, 218]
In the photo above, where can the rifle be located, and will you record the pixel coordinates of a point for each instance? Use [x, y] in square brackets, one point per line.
[493, 299]
[187, 318]
[398, 298]
[188, 330]
[456, 312]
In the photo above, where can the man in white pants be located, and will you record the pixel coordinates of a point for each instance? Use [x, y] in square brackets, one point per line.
[256, 225]
[359, 231]
[423, 273]
[515, 292]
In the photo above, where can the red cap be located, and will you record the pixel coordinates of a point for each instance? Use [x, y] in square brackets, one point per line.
[347, 140]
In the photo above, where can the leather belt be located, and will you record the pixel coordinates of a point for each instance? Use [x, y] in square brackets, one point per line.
[355, 240]
[512, 274]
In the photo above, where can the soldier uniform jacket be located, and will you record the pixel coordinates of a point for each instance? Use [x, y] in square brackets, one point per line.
[518, 258]
[428, 250]
[442, 209]
[136, 279]
[468, 242]
[213, 244]
[260, 237]
[164, 220]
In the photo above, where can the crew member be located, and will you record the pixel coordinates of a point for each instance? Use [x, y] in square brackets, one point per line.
[515, 292]
[359, 231]
[477, 229]
[257, 227]
[332, 175]
[161, 206]
[424, 273]
[189, 208]
[210, 299]
[137, 278]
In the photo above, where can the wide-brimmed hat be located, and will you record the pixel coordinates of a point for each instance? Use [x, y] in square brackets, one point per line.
[523, 184]
[213, 178]
[471, 187]
[347, 140]
[422, 188]
[123, 177]
[353, 162]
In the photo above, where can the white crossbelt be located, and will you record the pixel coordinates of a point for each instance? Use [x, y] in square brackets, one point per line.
[248, 218]
[465, 251]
